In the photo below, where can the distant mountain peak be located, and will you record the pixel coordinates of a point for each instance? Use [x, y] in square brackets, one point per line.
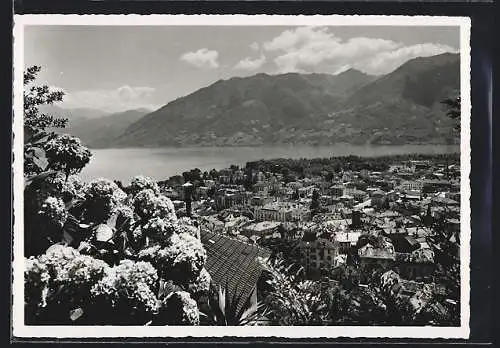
[352, 71]
[351, 106]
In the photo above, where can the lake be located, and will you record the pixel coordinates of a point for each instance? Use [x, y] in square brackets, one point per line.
[161, 163]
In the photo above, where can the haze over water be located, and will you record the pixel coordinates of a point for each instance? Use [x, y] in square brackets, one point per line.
[161, 163]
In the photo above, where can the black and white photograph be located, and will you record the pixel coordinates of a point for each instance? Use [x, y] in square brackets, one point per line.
[241, 175]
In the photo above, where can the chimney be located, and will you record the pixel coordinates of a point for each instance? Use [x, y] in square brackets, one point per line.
[188, 190]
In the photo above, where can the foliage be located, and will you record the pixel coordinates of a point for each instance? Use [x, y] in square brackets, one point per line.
[67, 154]
[126, 295]
[453, 106]
[224, 309]
[86, 243]
[293, 301]
[101, 198]
[37, 125]
[178, 308]
[315, 207]
[53, 211]
[181, 258]
[148, 205]
[140, 183]
[323, 166]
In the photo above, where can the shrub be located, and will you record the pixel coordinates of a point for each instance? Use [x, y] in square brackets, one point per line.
[36, 283]
[102, 197]
[147, 204]
[180, 261]
[159, 229]
[53, 212]
[178, 308]
[201, 285]
[140, 183]
[125, 295]
[67, 154]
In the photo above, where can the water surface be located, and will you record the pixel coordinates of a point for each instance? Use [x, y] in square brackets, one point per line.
[161, 163]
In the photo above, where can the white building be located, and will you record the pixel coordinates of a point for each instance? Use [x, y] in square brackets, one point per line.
[319, 254]
[412, 185]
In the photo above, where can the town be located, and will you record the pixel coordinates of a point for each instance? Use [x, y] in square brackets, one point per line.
[344, 221]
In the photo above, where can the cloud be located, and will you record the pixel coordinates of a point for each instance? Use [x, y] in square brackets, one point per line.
[306, 49]
[250, 64]
[255, 46]
[293, 37]
[391, 60]
[202, 58]
[111, 100]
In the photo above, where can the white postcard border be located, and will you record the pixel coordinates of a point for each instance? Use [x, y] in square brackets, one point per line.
[24, 331]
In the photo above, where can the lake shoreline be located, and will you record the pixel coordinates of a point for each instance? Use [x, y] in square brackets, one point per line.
[201, 146]
[160, 163]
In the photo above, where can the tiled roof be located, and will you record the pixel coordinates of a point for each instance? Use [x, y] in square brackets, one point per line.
[233, 263]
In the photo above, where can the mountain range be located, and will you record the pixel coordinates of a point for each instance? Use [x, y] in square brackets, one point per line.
[95, 128]
[402, 107]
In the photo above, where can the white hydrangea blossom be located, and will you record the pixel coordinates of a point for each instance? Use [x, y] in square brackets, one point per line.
[127, 288]
[201, 284]
[185, 225]
[178, 308]
[180, 261]
[159, 228]
[67, 153]
[141, 182]
[36, 280]
[54, 211]
[74, 187]
[102, 197]
[148, 205]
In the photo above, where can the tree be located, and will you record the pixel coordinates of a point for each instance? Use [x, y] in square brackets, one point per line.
[292, 300]
[454, 110]
[36, 123]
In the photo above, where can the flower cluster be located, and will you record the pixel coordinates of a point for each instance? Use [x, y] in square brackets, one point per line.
[56, 257]
[125, 217]
[178, 308]
[36, 280]
[125, 294]
[56, 181]
[201, 284]
[123, 211]
[137, 272]
[102, 196]
[66, 188]
[74, 187]
[60, 280]
[76, 278]
[148, 205]
[53, 210]
[82, 270]
[180, 261]
[159, 229]
[140, 183]
[185, 225]
[66, 153]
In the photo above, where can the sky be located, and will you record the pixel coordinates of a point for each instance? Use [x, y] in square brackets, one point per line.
[116, 68]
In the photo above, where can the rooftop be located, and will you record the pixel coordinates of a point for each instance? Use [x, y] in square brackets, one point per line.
[369, 251]
[234, 264]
